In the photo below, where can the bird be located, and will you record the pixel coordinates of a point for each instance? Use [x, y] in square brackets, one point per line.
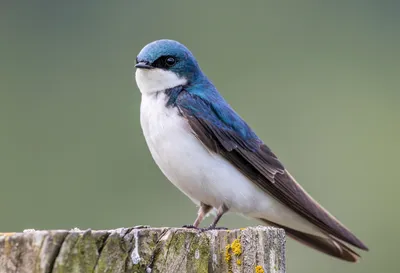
[211, 154]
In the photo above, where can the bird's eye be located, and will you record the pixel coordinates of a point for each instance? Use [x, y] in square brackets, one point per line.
[170, 61]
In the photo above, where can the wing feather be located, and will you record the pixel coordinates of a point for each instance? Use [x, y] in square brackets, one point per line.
[220, 134]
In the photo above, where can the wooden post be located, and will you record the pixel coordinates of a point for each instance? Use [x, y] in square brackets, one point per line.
[144, 249]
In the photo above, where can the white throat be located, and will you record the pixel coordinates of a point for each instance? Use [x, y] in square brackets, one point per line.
[155, 80]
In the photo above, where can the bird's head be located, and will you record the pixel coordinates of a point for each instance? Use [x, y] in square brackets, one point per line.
[164, 64]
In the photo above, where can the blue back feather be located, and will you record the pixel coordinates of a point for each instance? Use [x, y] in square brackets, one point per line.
[204, 101]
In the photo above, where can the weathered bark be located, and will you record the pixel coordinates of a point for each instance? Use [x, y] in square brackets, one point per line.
[144, 249]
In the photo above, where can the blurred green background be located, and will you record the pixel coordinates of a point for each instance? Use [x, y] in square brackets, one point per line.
[318, 81]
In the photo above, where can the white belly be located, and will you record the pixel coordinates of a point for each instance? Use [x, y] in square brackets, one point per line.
[203, 176]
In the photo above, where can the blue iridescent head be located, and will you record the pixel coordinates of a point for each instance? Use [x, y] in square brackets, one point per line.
[164, 64]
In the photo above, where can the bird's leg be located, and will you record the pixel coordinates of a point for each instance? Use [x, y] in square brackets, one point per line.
[203, 210]
[221, 211]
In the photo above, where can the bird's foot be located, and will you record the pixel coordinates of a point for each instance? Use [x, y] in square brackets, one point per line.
[191, 227]
[217, 228]
[204, 229]
[214, 228]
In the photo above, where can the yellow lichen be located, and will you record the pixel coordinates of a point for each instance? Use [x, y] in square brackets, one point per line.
[242, 228]
[239, 262]
[228, 256]
[7, 247]
[259, 269]
[236, 247]
[7, 234]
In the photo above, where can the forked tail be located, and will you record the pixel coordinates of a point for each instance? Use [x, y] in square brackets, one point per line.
[327, 245]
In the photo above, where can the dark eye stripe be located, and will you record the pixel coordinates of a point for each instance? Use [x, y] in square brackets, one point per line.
[164, 62]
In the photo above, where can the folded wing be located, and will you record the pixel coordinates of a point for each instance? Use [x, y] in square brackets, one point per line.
[222, 131]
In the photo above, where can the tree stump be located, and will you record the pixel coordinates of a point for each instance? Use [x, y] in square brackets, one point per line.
[144, 249]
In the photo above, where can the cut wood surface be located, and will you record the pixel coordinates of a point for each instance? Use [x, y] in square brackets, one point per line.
[144, 249]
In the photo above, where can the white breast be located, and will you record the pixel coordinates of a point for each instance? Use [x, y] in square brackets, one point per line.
[201, 175]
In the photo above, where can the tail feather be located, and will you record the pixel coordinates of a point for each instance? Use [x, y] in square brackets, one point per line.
[327, 245]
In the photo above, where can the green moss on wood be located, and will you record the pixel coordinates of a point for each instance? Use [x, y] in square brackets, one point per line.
[83, 256]
[174, 250]
[199, 254]
[113, 255]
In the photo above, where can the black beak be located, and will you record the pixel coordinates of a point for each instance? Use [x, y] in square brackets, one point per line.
[143, 65]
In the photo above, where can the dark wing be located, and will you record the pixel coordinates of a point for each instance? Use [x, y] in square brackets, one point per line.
[222, 131]
[327, 245]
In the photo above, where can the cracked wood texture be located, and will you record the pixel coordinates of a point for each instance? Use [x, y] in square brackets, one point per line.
[143, 249]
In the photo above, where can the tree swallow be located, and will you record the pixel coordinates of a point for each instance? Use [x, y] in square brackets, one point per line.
[210, 153]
